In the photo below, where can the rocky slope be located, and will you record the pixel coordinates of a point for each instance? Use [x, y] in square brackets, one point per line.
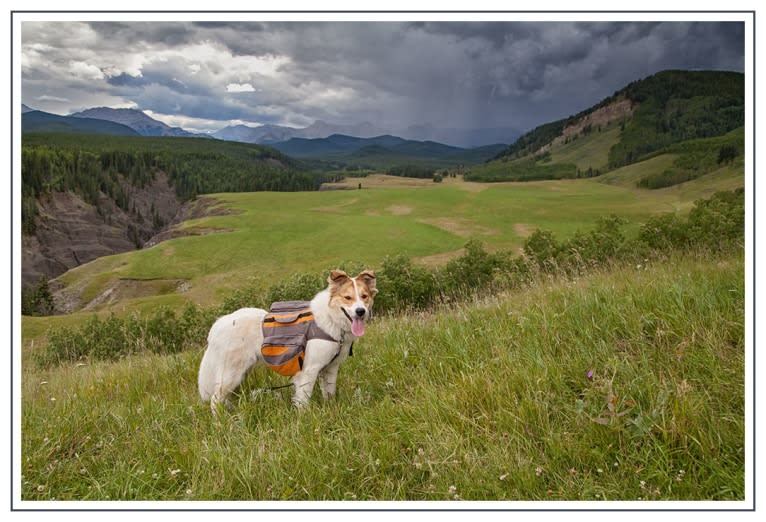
[71, 232]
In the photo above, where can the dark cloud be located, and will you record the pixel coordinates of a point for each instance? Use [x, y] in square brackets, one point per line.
[143, 33]
[449, 74]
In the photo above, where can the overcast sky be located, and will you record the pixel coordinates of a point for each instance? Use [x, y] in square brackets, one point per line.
[206, 75]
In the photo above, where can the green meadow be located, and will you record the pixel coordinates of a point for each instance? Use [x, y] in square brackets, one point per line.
[623, 382]
[268, 236]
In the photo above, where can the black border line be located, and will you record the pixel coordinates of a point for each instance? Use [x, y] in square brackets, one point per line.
[354, 509]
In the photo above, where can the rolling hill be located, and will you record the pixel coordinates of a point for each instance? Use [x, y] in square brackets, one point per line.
[648, 117]
[384, 151]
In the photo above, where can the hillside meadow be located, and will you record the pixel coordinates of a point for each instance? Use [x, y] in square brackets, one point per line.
[617, 380]
[624, 384]
[264, 237]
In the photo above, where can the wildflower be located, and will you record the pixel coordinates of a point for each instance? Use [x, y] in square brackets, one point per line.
[538, 471]
[504, 476]
[590, 375]
[600, 470]
[452, 490]
[188, 492]
[174, 472]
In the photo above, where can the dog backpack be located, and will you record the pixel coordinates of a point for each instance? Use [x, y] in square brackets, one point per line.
[287, 328]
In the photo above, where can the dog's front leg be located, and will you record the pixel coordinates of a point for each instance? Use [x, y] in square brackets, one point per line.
[328, 378]
[304, 385]
[319, 353]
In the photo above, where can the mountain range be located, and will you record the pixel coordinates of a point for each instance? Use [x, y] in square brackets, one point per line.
[39, 121]
[136, 120]
[463, 138]
[384, 151]
[145, 125]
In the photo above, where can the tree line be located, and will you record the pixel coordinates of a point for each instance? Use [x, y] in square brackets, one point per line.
[93, 165]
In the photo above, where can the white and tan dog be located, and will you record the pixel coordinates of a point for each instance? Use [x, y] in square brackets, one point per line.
[234, 341]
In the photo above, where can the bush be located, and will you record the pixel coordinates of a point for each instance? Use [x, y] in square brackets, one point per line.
[727, 153]
[405, 286]
[112, 338]
[718, 221]
[298, 287]
[664, 232]
[37, 299]
[541, 249]
[472, 271]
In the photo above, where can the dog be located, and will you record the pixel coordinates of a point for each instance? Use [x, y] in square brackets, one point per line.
[234, 341]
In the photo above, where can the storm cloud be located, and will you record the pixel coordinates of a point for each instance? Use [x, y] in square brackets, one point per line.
[205, 75]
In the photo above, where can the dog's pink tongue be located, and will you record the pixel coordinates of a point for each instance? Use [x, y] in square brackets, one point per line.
[357, 327]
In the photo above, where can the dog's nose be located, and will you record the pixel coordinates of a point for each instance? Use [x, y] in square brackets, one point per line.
[360, 312]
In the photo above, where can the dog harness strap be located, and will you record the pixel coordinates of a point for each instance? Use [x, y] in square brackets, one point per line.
[315, 332]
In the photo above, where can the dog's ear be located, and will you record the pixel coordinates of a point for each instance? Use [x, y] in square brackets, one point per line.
[337, 277]
[368, 277]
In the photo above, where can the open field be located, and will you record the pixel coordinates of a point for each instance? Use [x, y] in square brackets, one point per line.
[626, 384]
[269, 236]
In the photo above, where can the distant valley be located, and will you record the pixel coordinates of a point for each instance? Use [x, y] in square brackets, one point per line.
[675, 128]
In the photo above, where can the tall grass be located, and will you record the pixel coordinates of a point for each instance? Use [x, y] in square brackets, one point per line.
[624, 384]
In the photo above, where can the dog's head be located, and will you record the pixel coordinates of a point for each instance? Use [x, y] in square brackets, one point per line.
[353, 296]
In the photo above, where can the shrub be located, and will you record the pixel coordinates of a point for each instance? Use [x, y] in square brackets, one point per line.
[298, 287]
[37, 299]
[664, 232]
[245, 296]
[541, 248]
[719, 220]
[727, 153]
[472, 271]
[405, 285]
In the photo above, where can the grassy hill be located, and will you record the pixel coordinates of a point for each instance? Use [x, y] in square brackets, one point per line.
[648, 117]
[269, 236]
[597, 388]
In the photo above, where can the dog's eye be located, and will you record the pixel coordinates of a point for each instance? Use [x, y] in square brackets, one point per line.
[348, 298]
[364, 296]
